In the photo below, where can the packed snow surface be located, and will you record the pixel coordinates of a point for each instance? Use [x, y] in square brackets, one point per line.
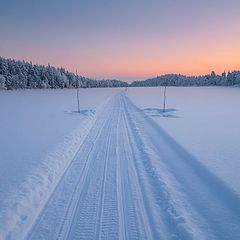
[121, 169]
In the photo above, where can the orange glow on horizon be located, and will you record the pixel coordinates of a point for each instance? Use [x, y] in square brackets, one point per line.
[196, 54]
[134, 68]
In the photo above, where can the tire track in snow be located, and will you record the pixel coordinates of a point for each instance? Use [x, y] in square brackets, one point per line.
[96, 216]
[159, 222]
[130, 218]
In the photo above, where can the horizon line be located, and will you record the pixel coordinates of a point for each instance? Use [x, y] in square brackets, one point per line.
[124, 78]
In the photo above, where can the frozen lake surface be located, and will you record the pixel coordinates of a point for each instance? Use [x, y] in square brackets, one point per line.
[121, 169]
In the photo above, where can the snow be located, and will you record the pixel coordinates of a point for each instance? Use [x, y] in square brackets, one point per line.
[204, 120]
[40, 134]
[122, 169]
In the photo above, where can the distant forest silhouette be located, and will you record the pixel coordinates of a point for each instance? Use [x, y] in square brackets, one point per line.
[16, 74]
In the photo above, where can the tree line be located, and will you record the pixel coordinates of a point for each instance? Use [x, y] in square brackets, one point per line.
[23, 75]
[225, 79]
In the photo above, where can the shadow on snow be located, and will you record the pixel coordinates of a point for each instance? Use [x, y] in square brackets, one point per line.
[158, 112]
[85, 112]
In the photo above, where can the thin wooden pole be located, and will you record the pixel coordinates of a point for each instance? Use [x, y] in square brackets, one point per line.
[164, 99]
[77, 92]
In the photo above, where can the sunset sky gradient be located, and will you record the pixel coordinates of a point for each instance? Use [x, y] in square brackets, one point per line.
[123, 39]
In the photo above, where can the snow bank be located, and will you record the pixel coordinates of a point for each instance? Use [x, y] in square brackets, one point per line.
[24, 205]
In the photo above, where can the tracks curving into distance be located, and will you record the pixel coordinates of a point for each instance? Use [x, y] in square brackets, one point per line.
[130, 180]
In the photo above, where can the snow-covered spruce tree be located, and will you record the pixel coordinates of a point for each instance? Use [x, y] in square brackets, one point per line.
[2, 82]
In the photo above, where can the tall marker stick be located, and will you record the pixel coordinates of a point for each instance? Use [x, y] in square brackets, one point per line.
[164, 99]
[77, 83]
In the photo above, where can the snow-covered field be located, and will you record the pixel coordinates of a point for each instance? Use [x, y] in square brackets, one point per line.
[120, 169]
[203, 120]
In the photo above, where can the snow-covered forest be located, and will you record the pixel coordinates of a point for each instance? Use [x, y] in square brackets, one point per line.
[20, 75]
[225, 79]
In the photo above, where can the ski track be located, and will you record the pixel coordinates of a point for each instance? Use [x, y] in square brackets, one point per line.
[130, 180]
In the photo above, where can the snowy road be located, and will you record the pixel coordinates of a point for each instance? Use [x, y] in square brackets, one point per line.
[130, 180]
